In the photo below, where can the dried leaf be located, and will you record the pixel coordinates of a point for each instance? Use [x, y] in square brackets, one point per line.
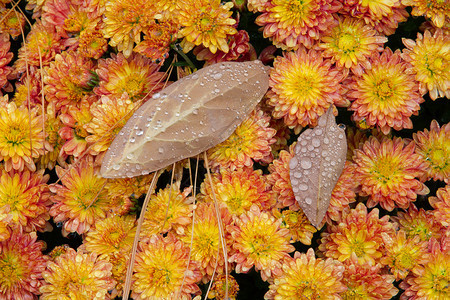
[318, 161]
[190, 116]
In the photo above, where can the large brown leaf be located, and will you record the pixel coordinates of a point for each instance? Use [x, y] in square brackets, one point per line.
[318, 161]
[190, 116]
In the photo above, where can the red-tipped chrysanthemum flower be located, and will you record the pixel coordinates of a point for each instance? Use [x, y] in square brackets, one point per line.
[430, 60]
[11, 22]
[303, 86]
[306, 277]
[387, 170]
[386, 95]
[259, 241]
[441, 205]
[5, 58]
[21, 266]
[92, 44]
[300, 229]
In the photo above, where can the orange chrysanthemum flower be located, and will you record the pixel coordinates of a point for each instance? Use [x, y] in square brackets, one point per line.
[136, 75]
[219, 288]
[430, 60]
[68, 80]
[207, 23]
[24, 200]
[260, 241]
[366, 281]
[170, 208]
[92, 44]
[21, 266]
[434, 148]
[11, 22]
[124, 22]
[306, 277]
[403, 254]
[206, 247]
[358, 232]
[73, 131]
[300, 229]
[77, 275]
[441, 205]
[303, 86]
[21, 137]
[350, 43]
[387, 171]
[81, 200]
[238, 190]
[385, 95]
[28, 88]
[436, 10]
[52, 127]
[291, 23]
[5, 58]
[249, 142]
[162, 271]
[429, 280]
[111, 236]
[420, 223]
[109, 115]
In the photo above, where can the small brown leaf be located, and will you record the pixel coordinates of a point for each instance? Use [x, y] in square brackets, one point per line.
[318, 161]
[190, 116]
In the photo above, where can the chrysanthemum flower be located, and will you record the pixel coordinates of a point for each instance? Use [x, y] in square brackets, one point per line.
[21, 137]
[58, 251]
[303, 86]
[111, 236]
[109, 115]
[366, 281]
[436, 10]
[206, 247]
[5, 230]
[430, 60]
[136, 75]
[219, 288]
[434, 148]
[157, 40]
[300, 229]
[429, 280]
[403, 254]
[52, 127]
[81, 200]
[358, 232]
[24, 199]
[77, 275]
[291, 23]
[259, 241]
[306, 277]
[206, 23]
[420, 223]
[238, 190]
[12, 22]
[350, 43]
[385, 95]
[5, 58]
[124, 22]
[69, 79]
[21, 266]
[28, 88]
[161, 270]
[120, 263]
[441, 205]
[92, 44]
[73, 131]
[36, 7]
[170, 207]
[248, 143]
[239, 49]
[387, 171]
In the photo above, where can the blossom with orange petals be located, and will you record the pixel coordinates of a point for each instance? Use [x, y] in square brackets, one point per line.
[92, 44]
[387, 171]
[306, 277]
[21, 266]
[163, 270]
[433, 146]
[81, 200]
[250, 142]
[5, 58]
[135, 75]
[300, 229]
[436, 10]
[207, 23]
[430, 60]
[441, 205]
[77, 275]
[11, 22]
[386, 95]
[303, 86]
[259, 241]
[358, 233]
[52, 127]
[220, 286]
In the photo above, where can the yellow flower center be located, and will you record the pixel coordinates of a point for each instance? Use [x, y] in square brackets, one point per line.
[385, 170]
[438, 158]
[405, 260]
[384, 90]
[293, 12]
[347, 42]
[11, 270]
[133, 86]
[16, 134]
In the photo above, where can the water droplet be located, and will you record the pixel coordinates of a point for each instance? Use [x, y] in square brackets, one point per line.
[177, 114]
[194, 76]
[318, 131]
[130, 156]
[297, 175]
[217, 76]
[116, 167]
[195, 111]
[293, 163]
[315, 142]
[156, 96]
[303, 187]
[217, 91]
[303, 143]
[306, 163]
[308, 200]
[140, 132]
[132, 139]
[326, 140]
[161, 150]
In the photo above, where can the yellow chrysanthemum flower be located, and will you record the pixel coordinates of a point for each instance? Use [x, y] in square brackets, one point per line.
[207, 23]
[436, 10]
[300, 229]
[430, 60]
